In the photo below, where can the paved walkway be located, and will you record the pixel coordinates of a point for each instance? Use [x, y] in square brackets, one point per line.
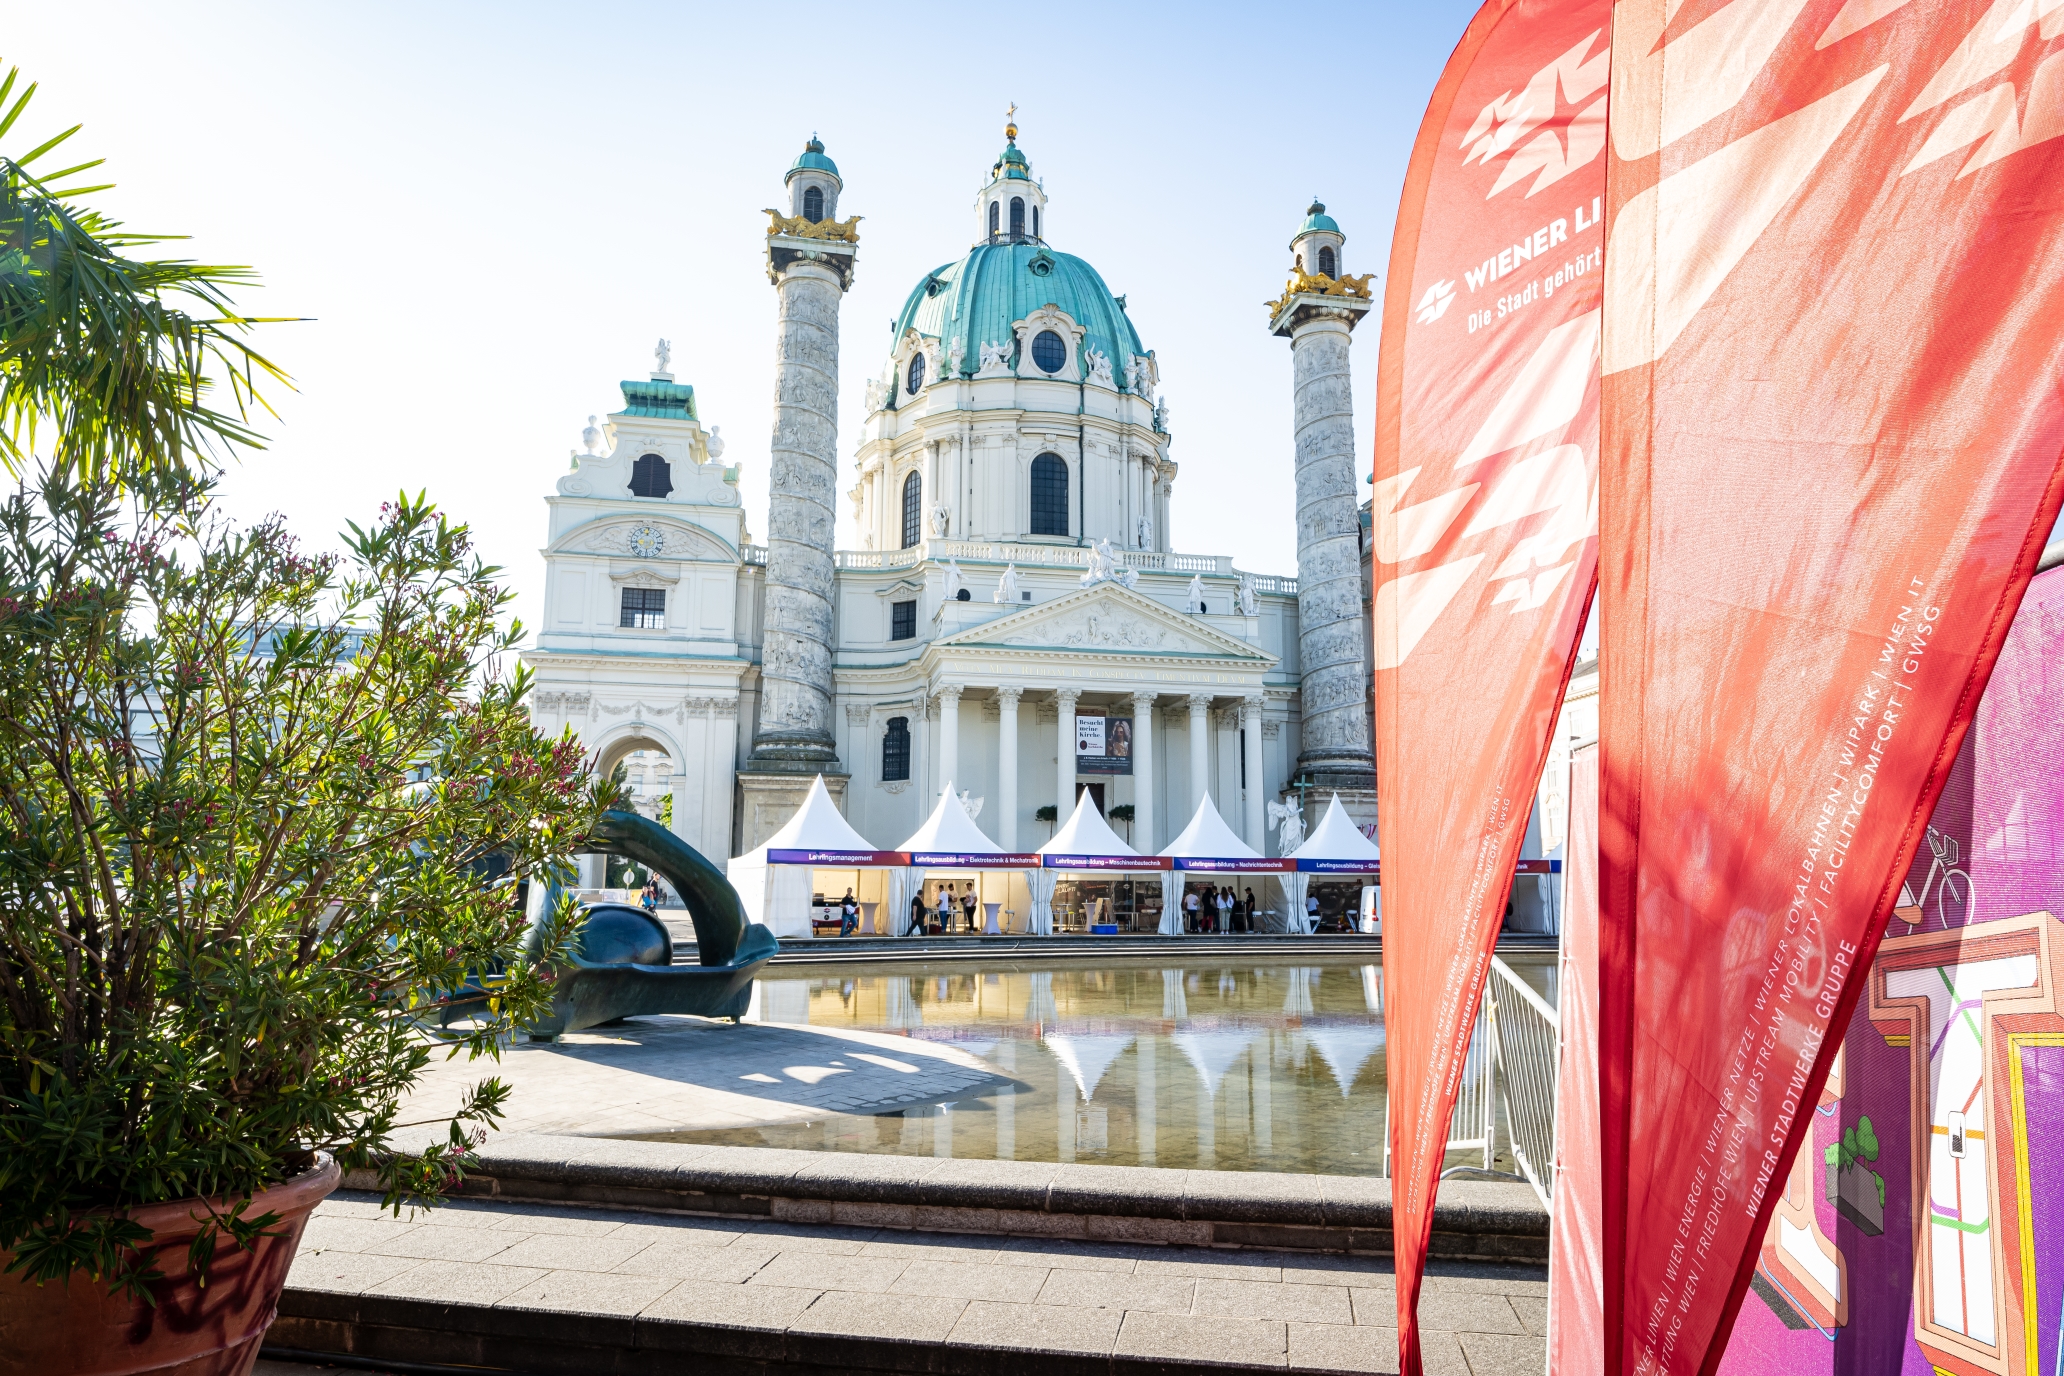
[831, 1297]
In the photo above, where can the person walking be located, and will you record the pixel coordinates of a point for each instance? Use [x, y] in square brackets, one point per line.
[917, 914]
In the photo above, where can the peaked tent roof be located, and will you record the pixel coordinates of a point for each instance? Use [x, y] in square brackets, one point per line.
[1086, 1056]
[1209, 837]
[1086, 833]
[817, 825]
[1337, 838]
[950, 829]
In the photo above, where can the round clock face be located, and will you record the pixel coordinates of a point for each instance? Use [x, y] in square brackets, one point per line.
[647, 541]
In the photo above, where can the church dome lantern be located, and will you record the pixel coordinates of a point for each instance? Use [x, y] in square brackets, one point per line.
[1318, 243]
[813, 184]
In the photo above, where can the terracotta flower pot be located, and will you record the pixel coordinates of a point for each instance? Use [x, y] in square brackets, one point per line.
[81, 1329]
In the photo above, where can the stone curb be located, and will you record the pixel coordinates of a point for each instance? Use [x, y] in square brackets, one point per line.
[1472, 1220]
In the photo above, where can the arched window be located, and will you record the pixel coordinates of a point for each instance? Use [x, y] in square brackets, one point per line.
[651, 477]
[1048, 351]
[992, 218]
[813, 204]
[913, 494]
[1035, 222]
[1326, 263]
[1017, 217]
[895, 750]
[1049, 495]
[915, 377]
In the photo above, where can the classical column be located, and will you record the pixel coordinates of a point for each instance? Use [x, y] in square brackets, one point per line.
[1257, 790]
[949, 733]
[1007, 766]
[1064, 758]
[1200, 750]
[810, 274]
[1143, 772]
[1330, 635]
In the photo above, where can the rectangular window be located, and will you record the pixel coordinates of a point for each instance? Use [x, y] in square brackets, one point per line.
[644, 608]
[902, 620]
[895, 751]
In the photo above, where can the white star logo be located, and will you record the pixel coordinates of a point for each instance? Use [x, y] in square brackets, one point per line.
[1435, 303]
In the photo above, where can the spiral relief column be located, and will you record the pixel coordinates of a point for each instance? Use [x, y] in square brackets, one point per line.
[810, 256]
[1318, 313]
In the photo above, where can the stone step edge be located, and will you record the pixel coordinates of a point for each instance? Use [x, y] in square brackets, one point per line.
[1472, 1220]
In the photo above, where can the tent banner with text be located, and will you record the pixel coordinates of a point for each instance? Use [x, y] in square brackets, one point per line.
[1485, 523]
[1832, 426]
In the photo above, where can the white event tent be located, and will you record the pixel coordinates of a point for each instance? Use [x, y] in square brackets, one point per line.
[1336, 846]
[949, 839]
[774, 881]
[1084, 842]
[1207, 846]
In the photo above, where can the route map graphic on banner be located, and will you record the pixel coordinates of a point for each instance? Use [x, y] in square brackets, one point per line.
[1831, 427]
[1485, 522]
[1921, 1226]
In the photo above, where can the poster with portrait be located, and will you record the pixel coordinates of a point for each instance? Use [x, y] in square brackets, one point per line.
[1103, 744]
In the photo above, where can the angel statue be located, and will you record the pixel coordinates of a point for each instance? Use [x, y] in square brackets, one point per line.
[994, 358]
[1100, 368]
[1288, 820]
[1104, 567]
[1007, 586]
[1193, 601]
[957, 353]
[973, 805]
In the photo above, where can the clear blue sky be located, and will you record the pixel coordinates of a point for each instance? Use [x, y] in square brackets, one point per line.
[492, 211]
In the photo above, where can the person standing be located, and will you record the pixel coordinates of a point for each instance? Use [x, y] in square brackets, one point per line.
[1189, 902]
[968, 904]
[945, 909]
[1311, 912]
[1253, 915]
[849, 914]
[917, 914]
[1225, 910]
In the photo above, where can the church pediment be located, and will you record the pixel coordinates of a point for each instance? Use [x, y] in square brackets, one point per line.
[1106, 619]
[645, 537]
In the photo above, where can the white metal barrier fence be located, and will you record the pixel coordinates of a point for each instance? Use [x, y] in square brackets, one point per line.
[1508, 1074]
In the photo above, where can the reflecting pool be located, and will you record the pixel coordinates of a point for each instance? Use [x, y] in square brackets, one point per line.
[1240, 1065]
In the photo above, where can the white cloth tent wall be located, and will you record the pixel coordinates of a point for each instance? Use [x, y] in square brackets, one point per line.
[1042, 883]
[778, 896]
[1293, 918]
[904, 885]
[1171, 903]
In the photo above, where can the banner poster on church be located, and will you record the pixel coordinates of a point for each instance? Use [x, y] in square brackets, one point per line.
[1103, 743]
[1920, 1229]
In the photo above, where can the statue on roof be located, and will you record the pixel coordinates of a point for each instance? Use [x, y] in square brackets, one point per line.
[1007, 586]
[592, 439]
[1106, 567]
[663, 355]
[1193, 600]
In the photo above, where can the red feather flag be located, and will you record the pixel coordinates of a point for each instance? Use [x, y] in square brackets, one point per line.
[1832, 424]
[1485, 530]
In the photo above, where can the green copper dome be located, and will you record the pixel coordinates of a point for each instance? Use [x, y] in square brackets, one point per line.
[979, 298]
[812, 159]
[1316, 219]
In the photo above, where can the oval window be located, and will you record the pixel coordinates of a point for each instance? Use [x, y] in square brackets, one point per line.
[915, 378]
[1048, 351]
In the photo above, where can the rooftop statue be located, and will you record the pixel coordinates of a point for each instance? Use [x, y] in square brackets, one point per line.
[1105, 567]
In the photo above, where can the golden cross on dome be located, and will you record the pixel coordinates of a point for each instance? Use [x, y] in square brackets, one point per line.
[1010, 121]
